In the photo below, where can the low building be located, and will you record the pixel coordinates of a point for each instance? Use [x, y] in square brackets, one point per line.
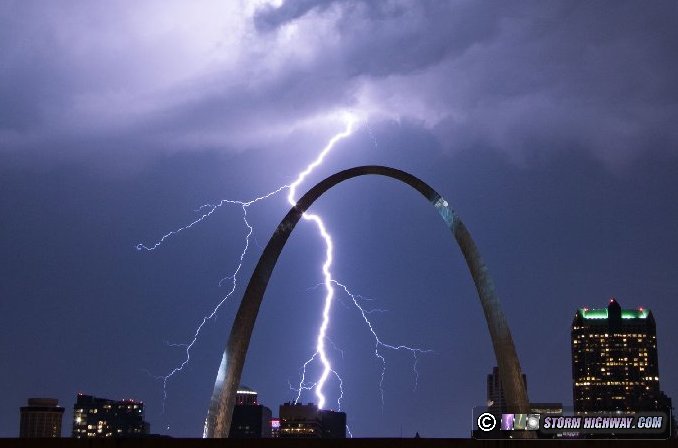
[41, 418]
[333, 424]
[275, 427]
[101, 417]
[250, 420]
[307, 421]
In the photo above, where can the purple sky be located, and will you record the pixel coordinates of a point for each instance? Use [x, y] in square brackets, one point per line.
[549, 126]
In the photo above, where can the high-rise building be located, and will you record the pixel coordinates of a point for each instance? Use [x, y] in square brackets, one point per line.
[614, 360]
[307, 421]
[101, 417]
[41, 418]
[250, 419]
[496, 402]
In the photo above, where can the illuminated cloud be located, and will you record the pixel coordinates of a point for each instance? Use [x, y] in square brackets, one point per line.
[533, 76]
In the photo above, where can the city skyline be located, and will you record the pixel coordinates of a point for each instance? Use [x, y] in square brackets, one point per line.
[628, 322]
[548, 128]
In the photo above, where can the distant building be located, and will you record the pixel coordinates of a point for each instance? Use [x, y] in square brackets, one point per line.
[546, 408]
[41, 418]
[299, 421]
[250, 419]
[245, 395]
[307, 421]
[100, 417]
[275, 427]
[614, 360]
[496, 402]
[333, 424]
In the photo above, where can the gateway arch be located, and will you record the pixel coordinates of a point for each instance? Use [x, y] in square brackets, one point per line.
[220, 412]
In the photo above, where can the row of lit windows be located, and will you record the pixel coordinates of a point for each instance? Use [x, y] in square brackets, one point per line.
[624, 362]
[609, 372]
[593, 380]
[621, 349]
[90, 411]
[596, 382]
[603, 351]
[607, 345]
[90, 431]
[636, 369]
[612, 343]
[608, 340]
[299, 430]
[615, 335]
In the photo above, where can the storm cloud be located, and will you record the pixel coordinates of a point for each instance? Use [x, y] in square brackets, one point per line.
[549, 125]
[528, 76]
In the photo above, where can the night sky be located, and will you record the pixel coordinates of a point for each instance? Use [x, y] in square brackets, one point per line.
[549, 126]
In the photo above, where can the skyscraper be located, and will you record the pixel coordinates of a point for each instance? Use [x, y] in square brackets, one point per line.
[496, 402]
[614, 360]
[250, 419]
[101, 417]
[41, 418]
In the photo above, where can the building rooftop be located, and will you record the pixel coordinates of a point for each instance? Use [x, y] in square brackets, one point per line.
[246, 390]
[603, 313]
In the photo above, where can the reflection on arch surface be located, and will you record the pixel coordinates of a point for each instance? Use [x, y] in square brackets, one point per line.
[218, 420]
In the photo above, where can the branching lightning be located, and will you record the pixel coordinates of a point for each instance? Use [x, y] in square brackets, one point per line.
[378, 343]
[327, 275]
[329, 296]
[233, 277]
[328, 283]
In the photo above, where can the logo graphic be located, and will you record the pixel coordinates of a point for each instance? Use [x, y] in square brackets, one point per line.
[507, 422]
[533, 422]
[511, 422]
[486, 422]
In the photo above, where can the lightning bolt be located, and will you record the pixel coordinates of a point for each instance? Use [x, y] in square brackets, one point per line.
[212, 208]
[320, 351]
[328, 283]
[378, 343]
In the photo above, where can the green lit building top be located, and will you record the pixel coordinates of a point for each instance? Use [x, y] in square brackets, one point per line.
[614, 360]
[601, 313]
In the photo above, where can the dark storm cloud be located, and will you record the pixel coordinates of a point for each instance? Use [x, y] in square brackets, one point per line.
[270, 17]
[530, 75]
[391, 38]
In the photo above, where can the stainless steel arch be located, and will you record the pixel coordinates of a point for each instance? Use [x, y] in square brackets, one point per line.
[218, 420]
